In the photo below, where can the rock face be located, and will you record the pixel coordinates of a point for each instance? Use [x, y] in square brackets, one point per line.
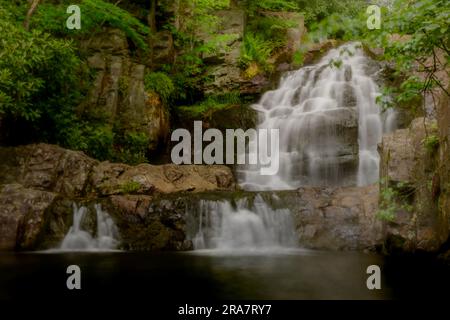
[46, 167]
[22, 215]
[331, 219]
[73, 174]
[40, 182]
[118, 91]
[111, 178]
[337, 218]
[149, 203]
[410, 187]
[225, 72]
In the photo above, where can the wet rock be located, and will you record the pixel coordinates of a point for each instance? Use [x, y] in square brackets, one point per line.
[407, 169]
[337, 218]
[46, 167]
[317, 50]
[22, 215]
[147, 224]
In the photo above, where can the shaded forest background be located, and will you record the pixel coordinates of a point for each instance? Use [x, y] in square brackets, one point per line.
[45, 77]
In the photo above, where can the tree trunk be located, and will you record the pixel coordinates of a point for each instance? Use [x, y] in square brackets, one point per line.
[152, 15]
[33, 6]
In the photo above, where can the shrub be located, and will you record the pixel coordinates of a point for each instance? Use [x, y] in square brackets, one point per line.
[95, 13]
[39, 77]
[161, 84]
[275, 5]
[214, 102]
[431, 143]
[131, 147]
[255, 49]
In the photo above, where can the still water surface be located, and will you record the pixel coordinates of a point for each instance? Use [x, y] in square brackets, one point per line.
[208, 275]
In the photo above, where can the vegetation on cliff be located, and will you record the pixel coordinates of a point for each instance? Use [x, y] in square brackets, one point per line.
[45, 78]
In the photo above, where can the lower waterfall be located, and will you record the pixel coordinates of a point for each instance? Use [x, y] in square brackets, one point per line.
[223, 226]
[78, 239]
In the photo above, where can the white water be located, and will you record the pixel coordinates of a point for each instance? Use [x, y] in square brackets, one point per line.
[80, 240]
[224, 227]
[329, 125]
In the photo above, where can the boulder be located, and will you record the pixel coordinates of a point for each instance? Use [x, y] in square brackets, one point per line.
[73, 174]
[110, 178]
[148, 224]
[22, 215]
[46, 167]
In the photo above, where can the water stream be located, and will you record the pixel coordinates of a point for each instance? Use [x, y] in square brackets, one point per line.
[78, 239]
[224, 227]
[329, 124]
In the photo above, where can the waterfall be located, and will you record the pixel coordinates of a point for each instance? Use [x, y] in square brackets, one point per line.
[329, 124]
[78, 239]
[220, 225]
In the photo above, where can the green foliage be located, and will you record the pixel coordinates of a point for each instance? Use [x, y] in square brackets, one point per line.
[95, 14]
[43, 80]
[431, 143]
[214, 102]
[130, 187]
[299, 57]
[275, 5]
[131, 147]
[161, 84]
[412, 33]
[196, 36]
[392, 200]
[388, 205]
[255, 49]
[39, 76]
[270, 29]
[315, 11]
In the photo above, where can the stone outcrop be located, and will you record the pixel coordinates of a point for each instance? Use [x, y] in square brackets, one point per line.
[336, 218]
[225, 71]
[47, 168]
[112, 178]
[149, 203]
[39, 183]
[410, 187]
[118, 93]
[443, 121]
[73, 174]
[22, 215]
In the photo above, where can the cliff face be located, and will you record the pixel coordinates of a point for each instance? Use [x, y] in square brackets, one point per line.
[444, 159]
[118, 93]
[416, 173]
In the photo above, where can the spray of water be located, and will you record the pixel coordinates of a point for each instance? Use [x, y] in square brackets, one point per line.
[329, 124]
[78, 239]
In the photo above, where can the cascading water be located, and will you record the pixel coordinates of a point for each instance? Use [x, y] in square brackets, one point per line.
[329, 124]
[81, 240]
[221, 226]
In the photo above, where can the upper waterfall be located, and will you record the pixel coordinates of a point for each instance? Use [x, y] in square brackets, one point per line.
[329, 124]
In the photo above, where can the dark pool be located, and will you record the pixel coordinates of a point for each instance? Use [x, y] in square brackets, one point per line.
[124, 276]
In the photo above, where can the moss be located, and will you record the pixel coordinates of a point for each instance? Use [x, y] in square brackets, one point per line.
[130, 187]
